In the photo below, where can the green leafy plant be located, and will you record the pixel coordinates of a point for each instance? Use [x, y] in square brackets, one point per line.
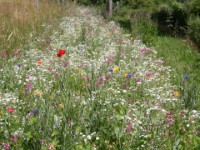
[194, 29]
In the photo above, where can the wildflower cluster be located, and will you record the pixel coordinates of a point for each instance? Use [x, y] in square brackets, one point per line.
[92, 88]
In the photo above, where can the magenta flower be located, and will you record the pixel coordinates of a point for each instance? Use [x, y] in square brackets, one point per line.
[6, 146]
[4, 54]
[29, 86]
[14, 138]
[148, 74]
[10, 109]
[16, 53]
[138, 80]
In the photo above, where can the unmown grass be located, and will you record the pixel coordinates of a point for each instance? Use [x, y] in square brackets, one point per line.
[22, 21]
[185, 60]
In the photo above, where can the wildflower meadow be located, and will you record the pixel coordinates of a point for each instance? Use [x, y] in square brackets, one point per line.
[93, 88]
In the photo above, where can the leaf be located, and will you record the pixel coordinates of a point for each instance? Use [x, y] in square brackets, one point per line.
[54, 133]
[175, 146]
[55, 142]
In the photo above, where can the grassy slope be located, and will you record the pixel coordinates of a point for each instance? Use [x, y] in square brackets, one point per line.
[183, 58]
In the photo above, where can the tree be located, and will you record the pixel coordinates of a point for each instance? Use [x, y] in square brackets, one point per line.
[109, 8]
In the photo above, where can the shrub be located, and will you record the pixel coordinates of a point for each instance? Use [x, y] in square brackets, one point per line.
[194, 7]
[136, 4]
[194, 29]
[179, 13]
[143, 26]
[172, 17]
[91, 2]
[162, 13]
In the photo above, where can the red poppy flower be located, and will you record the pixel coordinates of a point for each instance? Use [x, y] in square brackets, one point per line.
[59, 55]
[10, 110]
[39, 62]
[61, 52]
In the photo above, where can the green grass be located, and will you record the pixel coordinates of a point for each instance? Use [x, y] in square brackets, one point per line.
[184, 59]
[21, 22]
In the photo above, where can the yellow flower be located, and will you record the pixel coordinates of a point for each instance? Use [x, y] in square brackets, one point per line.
[115, 69]
[37, 92]
[61, 106]
[177, 93]
[132, 38]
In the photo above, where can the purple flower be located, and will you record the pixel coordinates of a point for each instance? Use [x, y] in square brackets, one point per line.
[35, 111]
[130, 75]
[110, 70]
[186, 77]
[19, 65]
[4, 53]
[29, 86]
[14, 138]
[6, 146]
[138, 80]
[100, 78]
[16, 52]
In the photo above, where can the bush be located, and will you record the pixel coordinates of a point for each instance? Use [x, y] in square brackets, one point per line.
[162, 13]
[136, 4]
[179, 14]
[91, 2]
[143, 26]
[171, 18]
[194, 29]
[194, 7]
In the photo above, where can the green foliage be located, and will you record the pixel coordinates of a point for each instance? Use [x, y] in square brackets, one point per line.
[194, 7]
[179, 13]
[135, 4]
[194, 29]
[91, 2]
[142, 26]
[171, 18]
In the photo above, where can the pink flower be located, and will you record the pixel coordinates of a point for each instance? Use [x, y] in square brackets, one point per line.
[6, 146]
[4, 54]
[14, 138]
[29, 86]
[16, 53]
[148, 74]
[129, 128]
[66, 63]
[142, 49]
[138, 80]
[170, 133]
[10, 110]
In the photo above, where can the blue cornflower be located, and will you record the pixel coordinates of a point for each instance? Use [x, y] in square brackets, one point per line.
[35, 111]
[130, 75]
[186, 77]
[19, 65]
[110, 70]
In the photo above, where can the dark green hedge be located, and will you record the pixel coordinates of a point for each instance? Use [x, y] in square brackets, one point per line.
[194, 29]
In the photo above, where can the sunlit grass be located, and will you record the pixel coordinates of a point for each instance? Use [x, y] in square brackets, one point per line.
[20, 21]
[184, 59]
